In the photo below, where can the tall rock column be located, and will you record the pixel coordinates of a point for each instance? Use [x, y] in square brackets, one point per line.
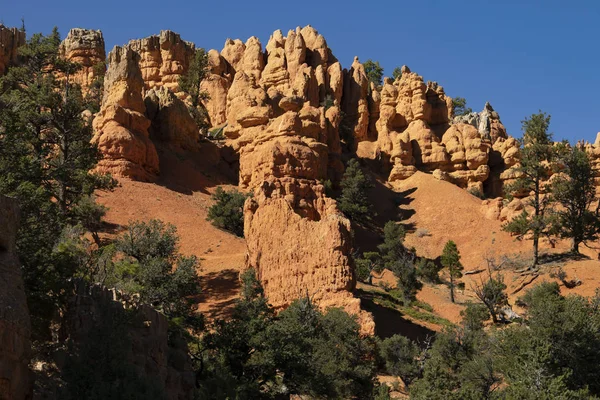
[85, 47]
[15, 326]
[10, 40]
[121, 127]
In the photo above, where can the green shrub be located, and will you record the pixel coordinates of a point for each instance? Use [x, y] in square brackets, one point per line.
[228, 211]
[428, 270]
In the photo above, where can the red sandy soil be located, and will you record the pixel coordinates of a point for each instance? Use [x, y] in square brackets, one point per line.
[446, 212]
[182, 196]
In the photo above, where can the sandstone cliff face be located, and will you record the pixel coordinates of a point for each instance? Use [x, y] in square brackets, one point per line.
[85, 47]
[121, 127]
[15, 327]
[10, 40]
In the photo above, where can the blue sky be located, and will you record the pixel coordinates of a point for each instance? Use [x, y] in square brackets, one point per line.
[520, 55]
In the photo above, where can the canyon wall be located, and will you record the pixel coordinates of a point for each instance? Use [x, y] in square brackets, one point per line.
[15, 326]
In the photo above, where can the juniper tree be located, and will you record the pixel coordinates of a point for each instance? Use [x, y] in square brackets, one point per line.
[537, 155]
[191, 83]
[575, 191]
[451, 259]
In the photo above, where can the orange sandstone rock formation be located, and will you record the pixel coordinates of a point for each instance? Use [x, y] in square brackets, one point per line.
[85, 47]
[121, 127]
[163, 59]
[10, 40]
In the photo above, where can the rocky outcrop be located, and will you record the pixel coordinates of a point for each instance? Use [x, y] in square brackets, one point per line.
[145, 345]
[10, 40]
[163, 59]
[121, 127]
[170, 119]
[413, 130]
[299, 243]
[85, 47]
[282, 114]
[15, 326]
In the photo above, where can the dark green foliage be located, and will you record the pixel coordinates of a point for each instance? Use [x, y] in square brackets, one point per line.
[492, 294]
[93, 98]
[537, 156]
[400, 356]
[302, 351]
[45, 162]
[149, 266]
[397, 73]
[428, 270]
[328, 102]
[354, 201]
[369, 261]
[374, 72]
[576, 192]
[191, 83]
[399, 260]
[451, 259]
[459, 107]
[228, 211]
[474, 315]
[556, 349]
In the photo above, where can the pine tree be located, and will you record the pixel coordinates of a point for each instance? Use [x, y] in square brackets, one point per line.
[45, 159]
[397, 73]
[451, 260]
[537, 156]
[374, 71]
[191, 83]
[459, 107]
[354, 201]
[576, 192]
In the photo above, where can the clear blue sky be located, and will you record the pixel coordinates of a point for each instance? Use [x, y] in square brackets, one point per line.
[520, 55]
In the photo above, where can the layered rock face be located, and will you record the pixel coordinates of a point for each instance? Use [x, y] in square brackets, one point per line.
[15, 326]
[10, 40]
[85, 47]
[410, 120]
[121, 126]
[147, 348]
[163, 59]
[282, 110]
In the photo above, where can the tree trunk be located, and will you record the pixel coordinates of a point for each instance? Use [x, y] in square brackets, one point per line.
[451, 288]
[575, 247]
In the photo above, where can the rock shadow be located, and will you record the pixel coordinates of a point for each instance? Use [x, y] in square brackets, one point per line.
[186, 171]
[389, 322]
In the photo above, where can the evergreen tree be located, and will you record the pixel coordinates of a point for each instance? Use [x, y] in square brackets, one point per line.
[228, 211]
[537, 154]
[45, 161]
[451, 259]
[492, 294]
[397, 73]
[396, 258]
[354, 201]
[191, 83]
[459, 107]
[576, 192]
[374, 71]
